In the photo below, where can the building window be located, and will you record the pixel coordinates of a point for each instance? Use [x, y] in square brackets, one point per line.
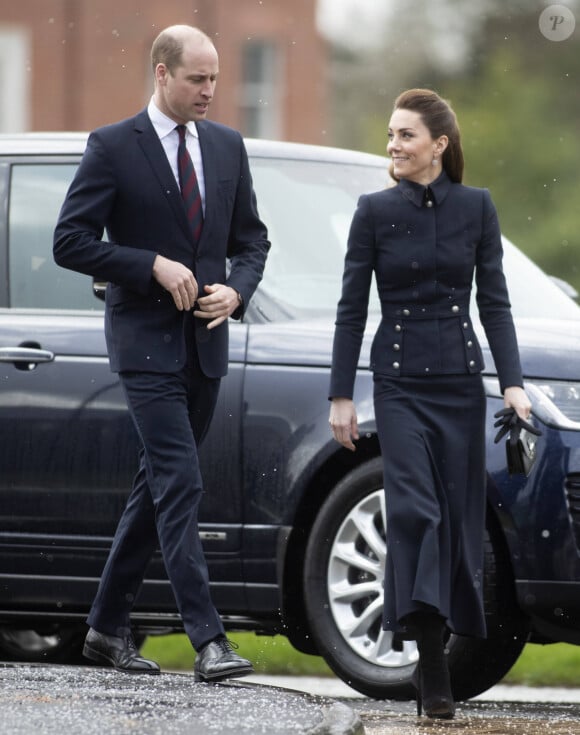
[14, 79]
[260, 93]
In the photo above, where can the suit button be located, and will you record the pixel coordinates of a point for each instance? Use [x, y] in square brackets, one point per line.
[406, 312]
[455, 309]
[426, 370]
[396, 365]
[397, 327]
[471, 363]
[396, 347]
[465, 325]
[470, 343]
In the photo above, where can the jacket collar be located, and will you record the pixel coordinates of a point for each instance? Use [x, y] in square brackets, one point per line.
[418, 194]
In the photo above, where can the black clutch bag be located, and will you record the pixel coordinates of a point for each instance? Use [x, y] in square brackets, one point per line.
[521, 453]
[520, 446]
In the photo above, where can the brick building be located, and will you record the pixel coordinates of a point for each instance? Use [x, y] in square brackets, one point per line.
[77, 64]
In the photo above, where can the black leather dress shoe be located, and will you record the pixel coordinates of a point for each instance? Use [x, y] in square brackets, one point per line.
[217, 661]
[121, 653]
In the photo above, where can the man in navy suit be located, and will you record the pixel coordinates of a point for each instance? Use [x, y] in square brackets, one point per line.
[168, 301]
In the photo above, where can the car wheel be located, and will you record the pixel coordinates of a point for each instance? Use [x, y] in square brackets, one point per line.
[343, 589]
[477, 664]
[61, 644]
[343, 597]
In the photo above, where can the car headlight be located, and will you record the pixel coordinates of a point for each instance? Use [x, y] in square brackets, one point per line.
[554, 402]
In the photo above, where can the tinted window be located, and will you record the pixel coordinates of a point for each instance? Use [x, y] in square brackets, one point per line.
[37, 193]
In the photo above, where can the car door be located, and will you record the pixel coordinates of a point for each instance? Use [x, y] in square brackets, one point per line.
[68, 450]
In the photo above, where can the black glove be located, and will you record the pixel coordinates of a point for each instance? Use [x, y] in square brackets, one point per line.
[508, 420]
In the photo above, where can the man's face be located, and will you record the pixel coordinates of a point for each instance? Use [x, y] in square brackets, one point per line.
[187, 93]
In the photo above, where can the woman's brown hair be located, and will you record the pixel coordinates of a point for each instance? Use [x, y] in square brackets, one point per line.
[440, 119]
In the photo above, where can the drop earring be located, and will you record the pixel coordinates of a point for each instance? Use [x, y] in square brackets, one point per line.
[434, 161]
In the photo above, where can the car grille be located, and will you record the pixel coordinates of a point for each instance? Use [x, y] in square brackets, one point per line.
[572, 487]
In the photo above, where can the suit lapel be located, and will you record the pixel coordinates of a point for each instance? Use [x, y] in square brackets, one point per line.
[209, 175]
[154, 152]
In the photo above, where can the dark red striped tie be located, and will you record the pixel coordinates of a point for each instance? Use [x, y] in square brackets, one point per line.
[189, 186]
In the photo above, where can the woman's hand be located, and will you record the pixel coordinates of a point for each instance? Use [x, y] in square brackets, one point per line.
[343, 422]
[516, 398]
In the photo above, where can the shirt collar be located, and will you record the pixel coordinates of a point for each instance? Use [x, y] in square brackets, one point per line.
[164, 125]
[416, 193]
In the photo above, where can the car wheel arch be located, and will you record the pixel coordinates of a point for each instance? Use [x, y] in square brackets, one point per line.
[327, 476]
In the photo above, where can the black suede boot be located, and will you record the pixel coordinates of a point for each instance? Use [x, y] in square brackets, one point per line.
[431, 677]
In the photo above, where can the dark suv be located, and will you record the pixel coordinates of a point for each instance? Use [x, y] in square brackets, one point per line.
[293, 525]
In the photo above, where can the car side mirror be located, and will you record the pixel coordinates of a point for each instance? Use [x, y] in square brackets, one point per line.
[566, 287]
[99, 289]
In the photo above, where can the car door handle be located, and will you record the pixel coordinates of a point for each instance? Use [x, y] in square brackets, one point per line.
[31, 356]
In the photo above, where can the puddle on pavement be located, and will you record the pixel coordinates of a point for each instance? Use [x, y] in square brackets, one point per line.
[375, 724]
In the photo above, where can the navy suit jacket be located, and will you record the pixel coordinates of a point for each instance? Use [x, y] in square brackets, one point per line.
[424, 258]
[125, 185]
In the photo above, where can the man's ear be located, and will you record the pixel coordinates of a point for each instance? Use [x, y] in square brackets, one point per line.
[161, 74]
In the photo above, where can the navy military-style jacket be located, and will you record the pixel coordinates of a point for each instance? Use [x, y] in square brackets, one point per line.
[424, 244]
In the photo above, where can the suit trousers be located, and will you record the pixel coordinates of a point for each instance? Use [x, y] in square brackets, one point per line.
[171, 413]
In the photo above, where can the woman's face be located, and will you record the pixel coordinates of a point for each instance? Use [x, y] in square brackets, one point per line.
[412, 149]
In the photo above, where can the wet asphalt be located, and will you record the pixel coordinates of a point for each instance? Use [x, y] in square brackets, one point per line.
[78, 700]
[66, 700]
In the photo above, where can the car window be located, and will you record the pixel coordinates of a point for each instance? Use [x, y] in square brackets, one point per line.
[36, 282]
[532, 293]
[308, 207]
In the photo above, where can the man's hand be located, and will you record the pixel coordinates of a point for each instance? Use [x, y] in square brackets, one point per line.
[219, 304]
[178, 280]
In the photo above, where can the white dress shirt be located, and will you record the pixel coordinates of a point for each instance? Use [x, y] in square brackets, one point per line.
[169, 137]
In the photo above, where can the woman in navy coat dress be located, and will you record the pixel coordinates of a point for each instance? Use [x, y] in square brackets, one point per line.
[423, 240]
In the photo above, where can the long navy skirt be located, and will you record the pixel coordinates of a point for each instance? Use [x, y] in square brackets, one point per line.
[432, 436]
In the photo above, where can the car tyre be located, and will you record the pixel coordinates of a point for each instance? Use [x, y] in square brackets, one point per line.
[477, 664]
[62, 644]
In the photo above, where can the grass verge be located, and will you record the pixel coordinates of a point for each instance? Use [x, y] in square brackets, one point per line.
[269, 654]
[556, 664]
